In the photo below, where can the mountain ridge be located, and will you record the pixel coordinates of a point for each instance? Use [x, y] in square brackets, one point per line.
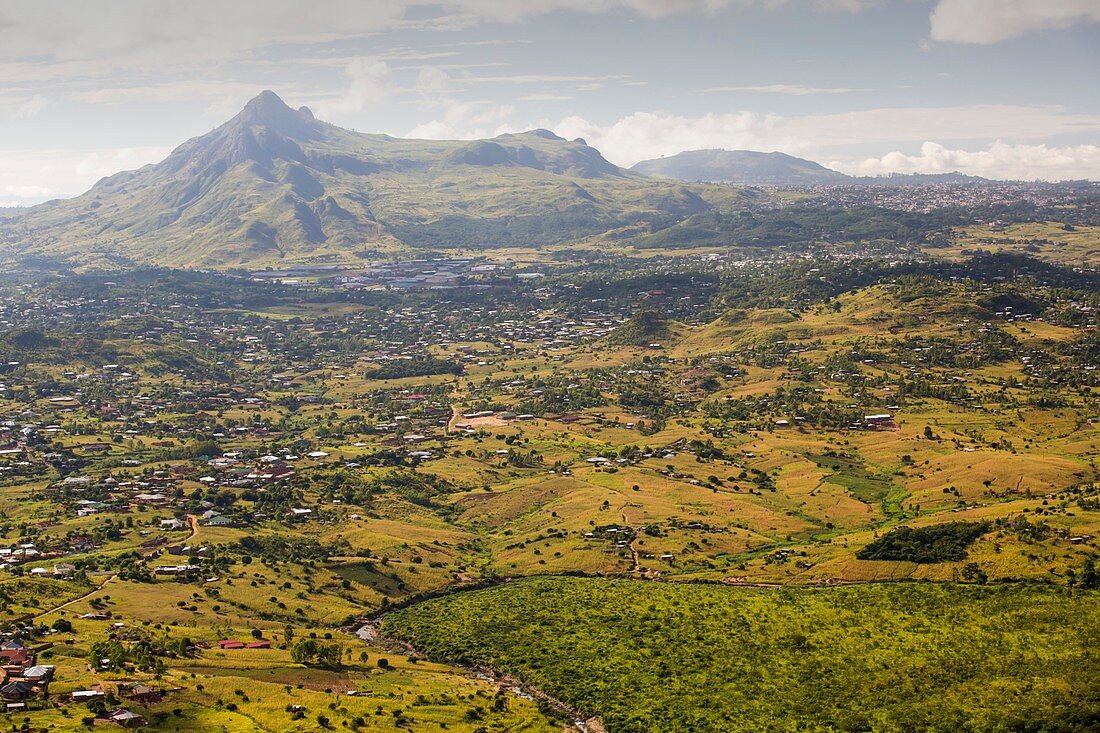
[755, 168]
[746, 167]
[275, 185]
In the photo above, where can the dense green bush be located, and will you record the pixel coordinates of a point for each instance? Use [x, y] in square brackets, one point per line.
[420, 366]
[938, 543]
[665, 657]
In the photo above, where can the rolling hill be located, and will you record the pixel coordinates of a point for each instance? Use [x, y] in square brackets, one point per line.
[744, 167]
[752, 168]
[276, 186]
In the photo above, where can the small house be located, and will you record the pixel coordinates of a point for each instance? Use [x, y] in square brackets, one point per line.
[17, 690]
[38, 673]
[15, 657]
[127, 719]
[144, 695]
[85, 695]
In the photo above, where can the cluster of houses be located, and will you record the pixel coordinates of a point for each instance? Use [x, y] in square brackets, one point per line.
[430, 273]
[134, 693]
[23, 678]
[414, 274]
[876, 421]
[920, 197]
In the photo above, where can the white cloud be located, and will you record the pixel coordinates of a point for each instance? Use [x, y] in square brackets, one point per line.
[369, 84]
[545, 97]
[184, 90]
[645, 135]
[455, 118]
[791, 89]
[848, 6]
[991, 21]
[432, 81]
[999, 160]
[98, 164]
[982, 122]
[514, 11]
[466, 121]
[43, 38]
[596, 79]
[218, 100]
[30, 107]
[24, 192]
[168, 30]
[36, 175]
[193, 33]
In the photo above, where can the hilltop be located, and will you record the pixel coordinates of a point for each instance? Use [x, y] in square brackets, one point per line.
[752, 168]
[745, 167]
[641, 329]
[275, 185]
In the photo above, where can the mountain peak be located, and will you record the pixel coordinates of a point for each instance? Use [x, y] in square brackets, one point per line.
[273, 183]
[545, 134]
[266, 103]
[267, 109]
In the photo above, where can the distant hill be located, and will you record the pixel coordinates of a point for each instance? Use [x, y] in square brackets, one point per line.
[750, 168]
[276, 186]
[744, 167]
[642, 329]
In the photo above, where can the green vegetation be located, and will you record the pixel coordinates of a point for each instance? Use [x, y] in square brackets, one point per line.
[649, 658]
[938, 543]
[279, 188]
[420, 366]
[313, 652]
[855, 477]
[642, 329]
[345, 196]
[217, 483]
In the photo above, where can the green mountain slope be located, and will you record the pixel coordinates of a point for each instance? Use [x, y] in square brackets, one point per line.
[276, 186]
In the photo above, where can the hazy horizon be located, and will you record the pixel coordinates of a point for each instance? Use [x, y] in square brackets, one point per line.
[883, 174]
[865, 87]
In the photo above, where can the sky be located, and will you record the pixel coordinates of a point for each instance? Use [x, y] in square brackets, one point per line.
[999, 88]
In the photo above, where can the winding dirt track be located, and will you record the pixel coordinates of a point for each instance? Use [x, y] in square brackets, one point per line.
[87, 595]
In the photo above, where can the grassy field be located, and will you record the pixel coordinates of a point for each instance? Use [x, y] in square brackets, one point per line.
[263, 690]
[1049, 240]
[653, 657]
[735, 454]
